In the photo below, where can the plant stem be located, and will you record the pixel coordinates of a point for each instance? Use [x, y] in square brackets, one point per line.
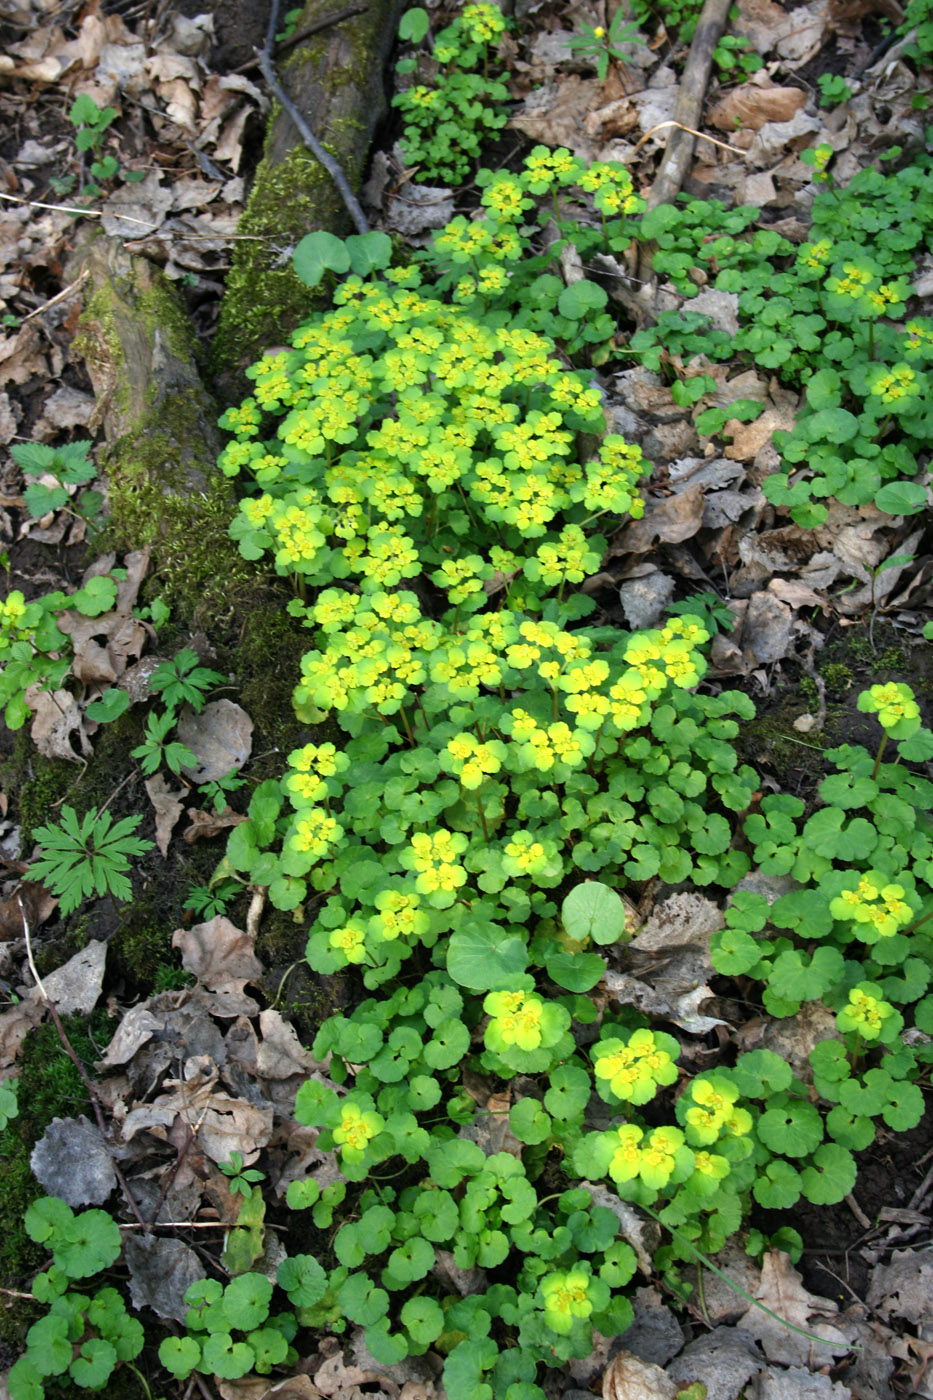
[881, 748]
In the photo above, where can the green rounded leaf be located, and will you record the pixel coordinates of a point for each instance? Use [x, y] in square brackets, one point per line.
[318, 253]
[303, 1279]
[580, 298]
[111, 705]
[423, 1319]
[830, 1176]
[901, 498]
[95, 1363]
[593, 910]
[483, 956]
[414, 25]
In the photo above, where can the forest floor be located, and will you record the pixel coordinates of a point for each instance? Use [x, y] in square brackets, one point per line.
[820, 613]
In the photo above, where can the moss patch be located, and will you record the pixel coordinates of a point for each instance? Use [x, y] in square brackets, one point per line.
[50, 1087]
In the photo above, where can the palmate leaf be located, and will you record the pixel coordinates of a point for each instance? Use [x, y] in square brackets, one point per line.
[79, 857]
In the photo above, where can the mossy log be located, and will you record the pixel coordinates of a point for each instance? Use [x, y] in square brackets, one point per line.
[159, 421]
[336, 80]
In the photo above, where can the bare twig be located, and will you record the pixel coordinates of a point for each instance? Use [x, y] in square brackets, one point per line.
[70, 1052]
[69, 209]
[61, 296]
[304, 131]
[703, 136]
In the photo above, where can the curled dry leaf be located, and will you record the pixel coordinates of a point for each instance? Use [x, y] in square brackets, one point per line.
[168, 808]
[668, 520]
[204, 825]
[748, 107]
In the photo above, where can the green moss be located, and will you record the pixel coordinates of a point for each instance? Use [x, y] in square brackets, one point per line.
[264, 301]
[50, 1087]
[266, 691]
[838, 678]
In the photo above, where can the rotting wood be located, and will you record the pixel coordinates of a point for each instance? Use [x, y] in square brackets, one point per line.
[158, 420]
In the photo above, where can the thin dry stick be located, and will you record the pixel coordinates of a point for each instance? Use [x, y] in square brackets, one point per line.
[69, 1051]
[304, 131]
[302, 34]
[69, 209]
[61, 296]
[736, 150]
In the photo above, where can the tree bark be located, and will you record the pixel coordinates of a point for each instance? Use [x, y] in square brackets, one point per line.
[336, 80]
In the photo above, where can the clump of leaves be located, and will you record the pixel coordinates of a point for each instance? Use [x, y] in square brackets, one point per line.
[446, 122]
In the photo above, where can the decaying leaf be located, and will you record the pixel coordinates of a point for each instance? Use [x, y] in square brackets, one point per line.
[723, 1360]
[782, 1291]
[160, 1272]
[752, 104]
[219, 954]
[904, 1287]
[220, 737]
[73, 1161]
[168, 808]
[681, 920]
[75, 987]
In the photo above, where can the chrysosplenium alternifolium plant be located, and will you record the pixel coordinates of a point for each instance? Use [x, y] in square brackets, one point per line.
[427, 473]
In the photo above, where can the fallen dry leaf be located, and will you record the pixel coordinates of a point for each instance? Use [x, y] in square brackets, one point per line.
[219, 954]
[755, 103]
[168, 808]
[220, 737]
[904, 1287]
[668, 519]
[72, 1160]
[221, 1123]
[204, 825]
[75, 987]
[681, 920]
[782, 1291]
[627, 1377]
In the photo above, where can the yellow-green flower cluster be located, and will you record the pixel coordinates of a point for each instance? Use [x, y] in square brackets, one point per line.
[483, 22]
[471, 761]
[566, 1298]
[634, 1069]
[896, 384]
[310, 768]
[652, 1158]
[866, 1012]
[435, 859]
[876, 905]
[356, 1130]
[709, 1111]
[13, 613]
[515, 1019]
[895, 706]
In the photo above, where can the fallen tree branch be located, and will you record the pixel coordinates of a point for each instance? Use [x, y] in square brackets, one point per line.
[307, 135]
